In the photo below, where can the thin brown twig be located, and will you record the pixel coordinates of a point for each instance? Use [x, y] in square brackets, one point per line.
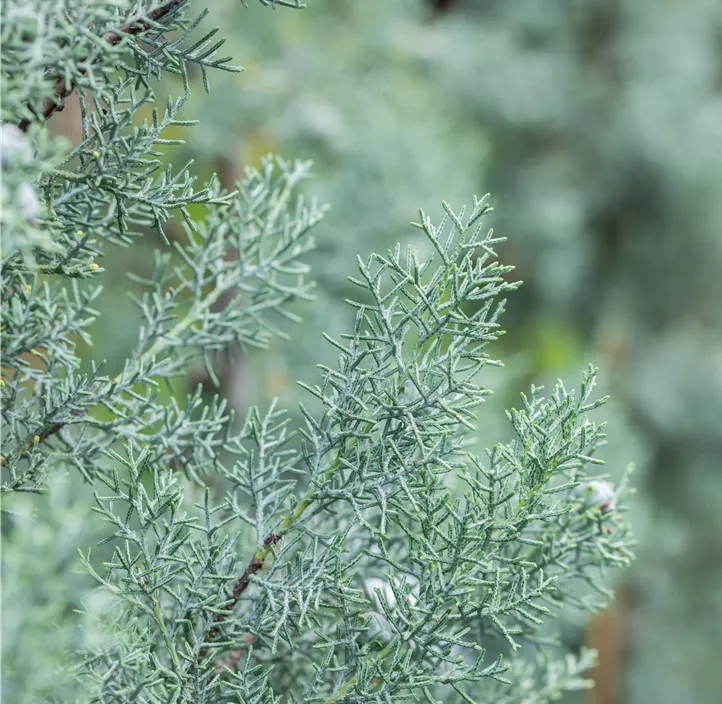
[62, 89]
[239, 587]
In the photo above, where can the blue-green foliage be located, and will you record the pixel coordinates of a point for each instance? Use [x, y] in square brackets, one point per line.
[596, 126]
[366, 555]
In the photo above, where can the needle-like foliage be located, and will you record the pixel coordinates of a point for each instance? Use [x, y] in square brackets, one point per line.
[367, 556]
[383, 559]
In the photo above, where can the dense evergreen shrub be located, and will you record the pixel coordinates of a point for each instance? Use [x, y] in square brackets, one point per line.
[370, 554]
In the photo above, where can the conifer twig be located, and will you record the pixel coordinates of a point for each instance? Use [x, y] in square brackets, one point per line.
[254, 566]
[63, 89]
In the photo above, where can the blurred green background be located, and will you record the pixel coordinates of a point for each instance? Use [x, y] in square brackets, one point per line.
[597, 127]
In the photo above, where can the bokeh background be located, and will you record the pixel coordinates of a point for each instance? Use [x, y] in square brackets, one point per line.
[597, 127]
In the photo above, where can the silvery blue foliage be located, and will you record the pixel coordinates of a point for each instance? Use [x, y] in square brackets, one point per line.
[368, 555]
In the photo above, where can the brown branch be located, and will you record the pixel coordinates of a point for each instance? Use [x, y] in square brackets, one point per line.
[62, 90]
[240, 586]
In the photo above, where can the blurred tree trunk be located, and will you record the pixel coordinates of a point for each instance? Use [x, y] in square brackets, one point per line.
[608, 634]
